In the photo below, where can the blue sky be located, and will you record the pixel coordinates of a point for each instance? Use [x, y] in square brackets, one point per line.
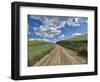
[55, 28]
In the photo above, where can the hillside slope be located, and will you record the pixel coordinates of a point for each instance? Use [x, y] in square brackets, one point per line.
[79, 38]
[76, 43]
[37, 50]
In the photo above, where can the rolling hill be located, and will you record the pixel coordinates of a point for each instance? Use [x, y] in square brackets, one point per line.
[37, 50]
[76, 43]
[79, 38]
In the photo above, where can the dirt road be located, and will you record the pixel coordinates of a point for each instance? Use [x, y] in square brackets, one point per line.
[60, 56]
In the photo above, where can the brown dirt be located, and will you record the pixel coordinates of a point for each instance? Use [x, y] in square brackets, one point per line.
[60, 56]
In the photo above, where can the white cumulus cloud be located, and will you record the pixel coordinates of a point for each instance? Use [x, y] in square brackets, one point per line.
[52, 25]
[47, 31]
[62, 37]
[46, 40]
[76, 34]
[73, 22]
[31, 39]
